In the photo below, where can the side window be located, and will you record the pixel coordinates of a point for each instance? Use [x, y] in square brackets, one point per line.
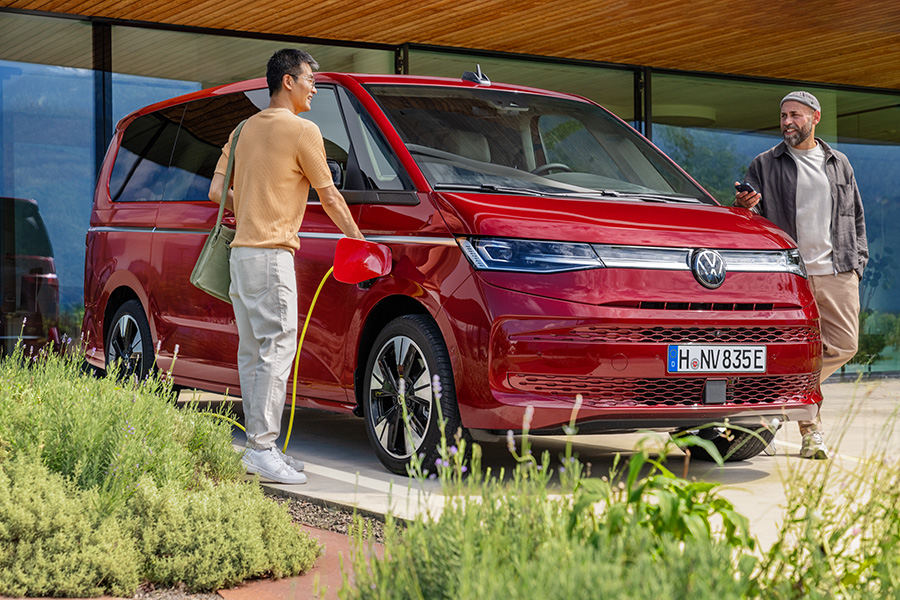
[139, 173]
[326, 113]
[379, 167]
[204, 130]
[29, 233]
[171, 154]
[354, 145]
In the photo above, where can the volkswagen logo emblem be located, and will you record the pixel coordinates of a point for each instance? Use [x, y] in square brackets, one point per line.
[708, 267]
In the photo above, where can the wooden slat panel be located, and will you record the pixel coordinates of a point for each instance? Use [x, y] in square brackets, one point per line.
[840, 42]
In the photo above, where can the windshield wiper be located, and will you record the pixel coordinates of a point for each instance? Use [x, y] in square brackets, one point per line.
[488, 187]
[501, 189]
[659, 197]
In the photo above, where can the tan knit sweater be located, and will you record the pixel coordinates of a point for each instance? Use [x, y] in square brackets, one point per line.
[279, 155]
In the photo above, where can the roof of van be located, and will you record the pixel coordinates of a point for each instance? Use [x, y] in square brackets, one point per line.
[347, 79]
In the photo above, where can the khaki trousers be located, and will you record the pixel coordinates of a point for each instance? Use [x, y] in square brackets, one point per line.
[837, 297]
[264, 296]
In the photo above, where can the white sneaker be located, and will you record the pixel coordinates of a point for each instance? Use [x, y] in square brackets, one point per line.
[814, 446]
[294, 463]
[269, 465]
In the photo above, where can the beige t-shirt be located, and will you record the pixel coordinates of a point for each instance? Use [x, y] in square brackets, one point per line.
[278, 156]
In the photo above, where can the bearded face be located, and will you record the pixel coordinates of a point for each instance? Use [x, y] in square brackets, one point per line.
[795, 134]
[798, 122]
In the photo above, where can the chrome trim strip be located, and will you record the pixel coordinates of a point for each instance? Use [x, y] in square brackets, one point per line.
[121, 229]
[190, 231]
[613, 256]
[385, 239]
[381, 239]
[644, 257]
[678, 259]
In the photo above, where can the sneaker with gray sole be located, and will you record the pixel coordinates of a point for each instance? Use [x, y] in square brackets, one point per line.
[270, 467]
[814, 446]
[294, 463]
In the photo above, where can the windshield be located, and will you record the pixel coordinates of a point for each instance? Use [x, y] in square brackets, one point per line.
[493, 140]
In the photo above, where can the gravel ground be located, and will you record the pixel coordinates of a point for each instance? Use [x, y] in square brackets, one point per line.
[302, 512]
[330, 519]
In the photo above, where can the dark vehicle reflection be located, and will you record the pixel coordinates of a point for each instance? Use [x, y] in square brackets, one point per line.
[29, 289]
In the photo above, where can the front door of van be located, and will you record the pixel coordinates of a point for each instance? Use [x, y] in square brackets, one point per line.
[201, 327]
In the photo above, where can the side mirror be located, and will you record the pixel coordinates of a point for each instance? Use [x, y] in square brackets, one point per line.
[337, 173]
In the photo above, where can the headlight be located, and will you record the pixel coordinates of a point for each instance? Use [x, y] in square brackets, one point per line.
[527, 256]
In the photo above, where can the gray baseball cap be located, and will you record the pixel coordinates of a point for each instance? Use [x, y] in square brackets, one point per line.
[803, 98]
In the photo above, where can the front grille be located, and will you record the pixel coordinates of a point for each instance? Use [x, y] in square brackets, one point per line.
[619, 392]
[679, 335]
[719, 306]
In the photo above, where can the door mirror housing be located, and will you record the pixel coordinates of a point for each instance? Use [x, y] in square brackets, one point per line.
[337, 173]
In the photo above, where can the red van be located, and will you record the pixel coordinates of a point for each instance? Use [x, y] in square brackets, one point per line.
[541, 249]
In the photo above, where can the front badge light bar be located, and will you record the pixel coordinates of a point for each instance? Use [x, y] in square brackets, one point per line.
[534, 256]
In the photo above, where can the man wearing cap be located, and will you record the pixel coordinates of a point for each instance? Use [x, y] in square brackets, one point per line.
[809, 190]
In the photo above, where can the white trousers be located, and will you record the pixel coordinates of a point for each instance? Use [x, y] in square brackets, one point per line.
[264, 296]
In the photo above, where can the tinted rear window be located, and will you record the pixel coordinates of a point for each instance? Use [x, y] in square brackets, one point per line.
[171, 154]
[23, 231]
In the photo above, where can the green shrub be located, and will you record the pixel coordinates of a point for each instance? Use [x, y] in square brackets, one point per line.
[215, 536]
[840, 535]
[106, 434]
[105, 483]
[53, 542]
[642, 532]
[520, 538]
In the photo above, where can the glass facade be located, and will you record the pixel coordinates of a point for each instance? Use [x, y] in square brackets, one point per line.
[52, 112]
[64, 83]
[613, 88]
[47, 155]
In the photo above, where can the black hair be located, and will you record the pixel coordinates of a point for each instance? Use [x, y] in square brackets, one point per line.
[286, 62]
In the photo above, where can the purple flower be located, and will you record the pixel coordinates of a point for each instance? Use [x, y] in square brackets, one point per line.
[526, 420]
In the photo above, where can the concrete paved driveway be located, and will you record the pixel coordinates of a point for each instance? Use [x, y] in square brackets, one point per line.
[343, 470]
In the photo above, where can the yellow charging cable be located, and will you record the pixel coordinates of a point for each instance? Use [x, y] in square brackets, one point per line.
[297, 357]
[296, 367]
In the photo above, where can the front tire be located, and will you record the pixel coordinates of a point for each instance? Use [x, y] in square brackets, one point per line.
[734, 445]
[129, 342]
[409, 349]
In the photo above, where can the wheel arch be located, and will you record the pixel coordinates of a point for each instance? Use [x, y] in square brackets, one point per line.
[117, 298]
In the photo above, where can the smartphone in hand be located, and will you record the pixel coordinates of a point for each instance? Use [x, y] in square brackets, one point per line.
[744, 187]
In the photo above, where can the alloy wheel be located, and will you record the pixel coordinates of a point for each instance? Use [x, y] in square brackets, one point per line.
[401, 396]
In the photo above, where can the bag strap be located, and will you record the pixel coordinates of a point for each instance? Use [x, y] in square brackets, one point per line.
[228, 170]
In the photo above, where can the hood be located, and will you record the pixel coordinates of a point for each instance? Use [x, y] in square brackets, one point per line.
[613, 221]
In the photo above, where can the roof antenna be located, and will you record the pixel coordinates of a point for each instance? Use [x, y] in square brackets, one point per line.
[478, 77]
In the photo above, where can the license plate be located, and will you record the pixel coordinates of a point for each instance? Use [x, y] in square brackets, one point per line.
[714, 358]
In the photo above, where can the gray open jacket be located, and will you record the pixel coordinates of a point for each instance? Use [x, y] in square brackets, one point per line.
[774, 175]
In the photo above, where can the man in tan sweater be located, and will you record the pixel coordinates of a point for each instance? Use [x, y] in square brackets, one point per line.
[278, 157]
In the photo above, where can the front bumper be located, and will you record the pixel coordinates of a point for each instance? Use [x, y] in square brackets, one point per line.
[614, 357]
